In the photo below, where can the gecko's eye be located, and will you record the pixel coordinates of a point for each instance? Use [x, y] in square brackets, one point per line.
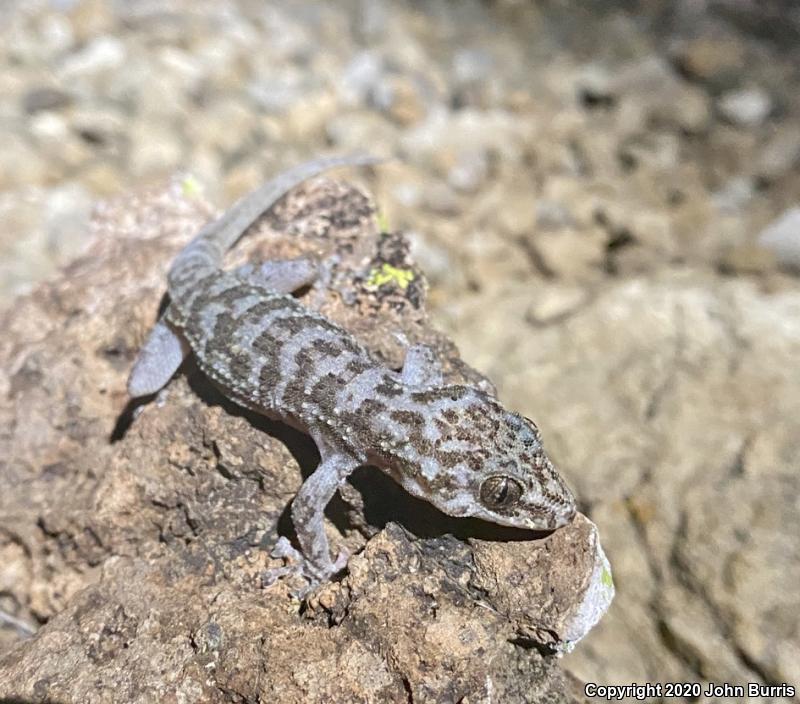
[500, 492]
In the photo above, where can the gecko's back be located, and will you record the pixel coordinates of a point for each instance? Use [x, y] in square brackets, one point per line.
[271, 353]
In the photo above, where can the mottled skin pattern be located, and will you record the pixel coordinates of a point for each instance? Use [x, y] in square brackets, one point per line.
[454, 446]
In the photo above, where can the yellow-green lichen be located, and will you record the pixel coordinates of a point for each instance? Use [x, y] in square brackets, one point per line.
[383, 222]
[606, 578]
[388, 274]
[190, 186]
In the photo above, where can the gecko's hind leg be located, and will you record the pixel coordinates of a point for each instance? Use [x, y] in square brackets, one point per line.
[158, 360]
[281, 276]
[313, 561]
[421, 368]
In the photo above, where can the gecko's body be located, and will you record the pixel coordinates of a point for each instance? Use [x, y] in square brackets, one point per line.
[454, 446]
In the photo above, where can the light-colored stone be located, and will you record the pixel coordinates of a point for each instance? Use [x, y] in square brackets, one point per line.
[102, 55]
[781, 154]
[782, 238]
[154, 152]
[748, 107]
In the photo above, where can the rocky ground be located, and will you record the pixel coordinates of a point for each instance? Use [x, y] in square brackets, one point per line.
[604, 201]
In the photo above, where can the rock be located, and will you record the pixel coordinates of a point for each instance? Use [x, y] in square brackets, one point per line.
[351, 131]
[90, 18]
[659, 152]
[400, 99]
[39, 99]
[67, 215]
[49, 127]
[154, 151]
[361, 76]
[102, 179]
[469, 171]
[748, 107]
[101, 55]
[553, 302]
[509, 121]
[58, 35]
[595, 86]
[572, 254]
[56, 221]
[782, 238]
[746, 259]
[666, 99]
[141, 536]
[715, 61]
[280, 92]
[664, 396]
[780, 155]
[475, 79]
[472, 65]
[103, 127]
[441, 135]
[440, 199]
[20, 163]
[734, 195]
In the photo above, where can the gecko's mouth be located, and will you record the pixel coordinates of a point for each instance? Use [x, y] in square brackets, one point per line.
[543, 520]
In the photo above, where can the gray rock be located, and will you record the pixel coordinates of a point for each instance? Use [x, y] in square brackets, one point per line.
[45, 99]
[595, 85]
[781, 153]
[469, 171]
[734, 195]
[361, 77]
[782, 238]
[471, 65]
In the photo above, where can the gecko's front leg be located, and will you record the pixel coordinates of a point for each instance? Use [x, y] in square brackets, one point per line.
[308, 516]
[421, 368]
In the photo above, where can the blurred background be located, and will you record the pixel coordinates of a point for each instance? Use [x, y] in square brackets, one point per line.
[605, 197]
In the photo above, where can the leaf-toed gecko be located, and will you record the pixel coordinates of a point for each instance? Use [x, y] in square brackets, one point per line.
[451, 445]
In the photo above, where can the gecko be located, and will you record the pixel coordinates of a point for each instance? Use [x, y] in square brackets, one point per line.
[454, 446]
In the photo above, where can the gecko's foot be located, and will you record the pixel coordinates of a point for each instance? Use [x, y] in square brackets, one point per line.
[341, 562]
[299, 566]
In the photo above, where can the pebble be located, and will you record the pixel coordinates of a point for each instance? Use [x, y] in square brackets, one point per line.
[734, 195]
[780, 155]
[782, 238]
[103, 54]
[748, 107]
[716, 61]
[553, 302]
[38, 99]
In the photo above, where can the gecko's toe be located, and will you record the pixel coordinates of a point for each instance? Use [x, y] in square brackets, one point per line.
[298, 566]
[271, 576]
[341, 562]
[284, 550]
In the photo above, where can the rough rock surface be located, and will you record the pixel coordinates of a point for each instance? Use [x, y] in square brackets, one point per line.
[679, 430]
[557, 163]
[137, 534]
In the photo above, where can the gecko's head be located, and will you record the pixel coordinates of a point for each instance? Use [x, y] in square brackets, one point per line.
[490, 464]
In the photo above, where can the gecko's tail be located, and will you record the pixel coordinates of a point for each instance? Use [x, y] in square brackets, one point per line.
[204, 254]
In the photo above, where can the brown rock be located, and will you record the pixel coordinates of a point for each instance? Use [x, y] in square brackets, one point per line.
[137, 535]
[717, 61]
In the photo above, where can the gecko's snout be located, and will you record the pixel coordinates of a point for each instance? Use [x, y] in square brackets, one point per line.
[567, 516]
